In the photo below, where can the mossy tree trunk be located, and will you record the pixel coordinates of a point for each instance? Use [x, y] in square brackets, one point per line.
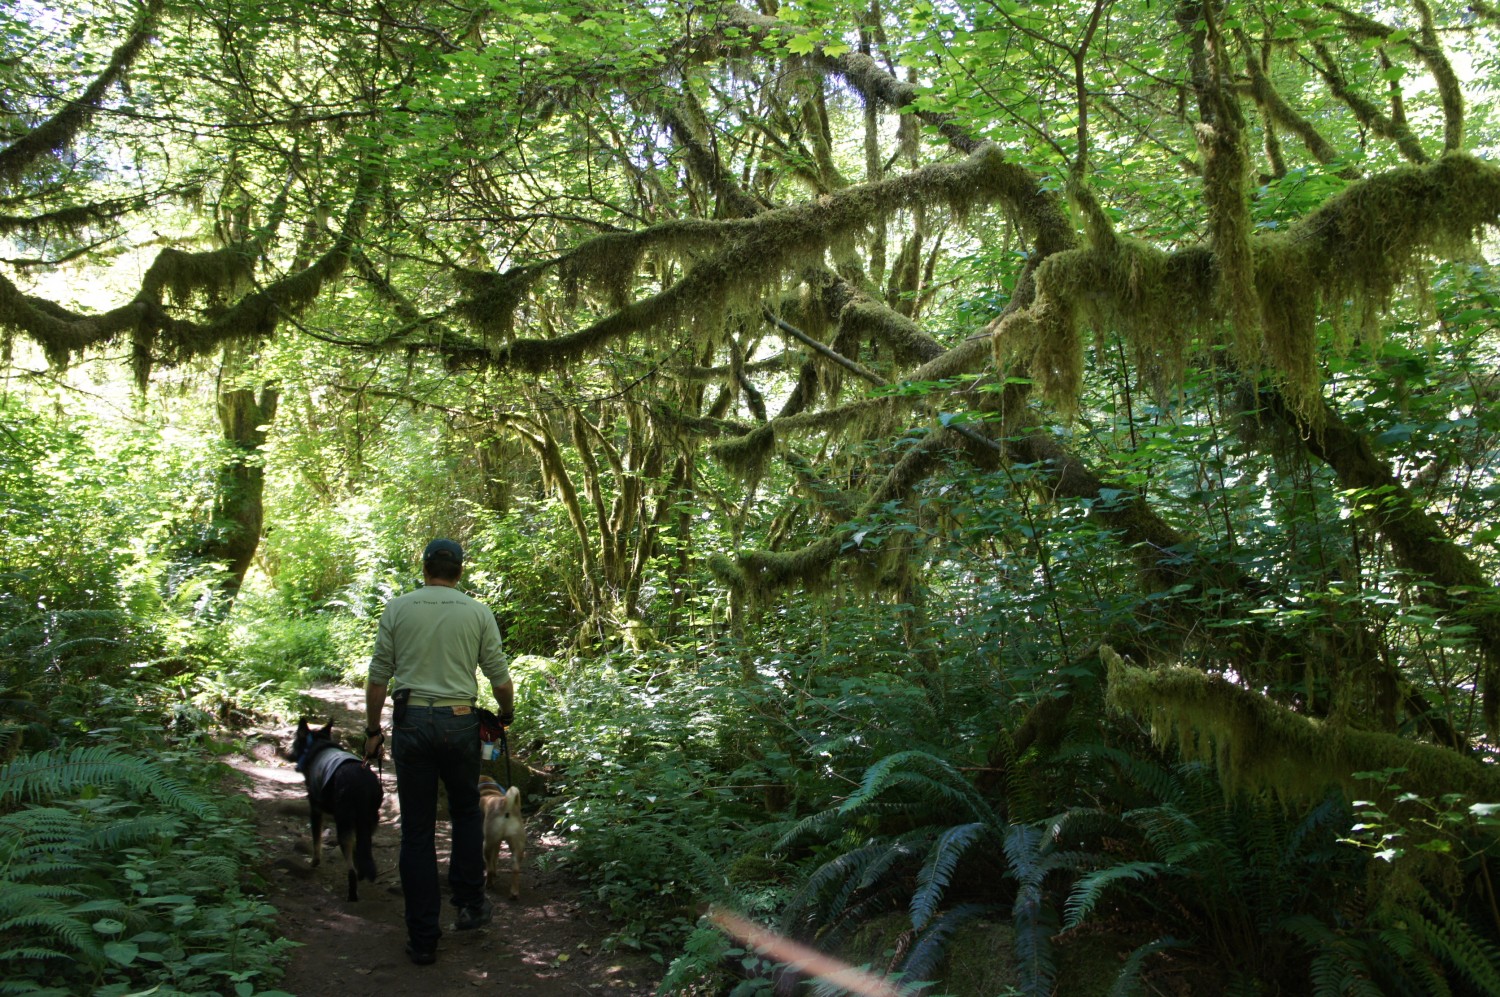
[245, 417]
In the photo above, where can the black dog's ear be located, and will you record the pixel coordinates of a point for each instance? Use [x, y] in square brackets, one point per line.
[302, 727]
[327, 728]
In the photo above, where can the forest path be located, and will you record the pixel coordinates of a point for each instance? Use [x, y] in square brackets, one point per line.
[548, 943]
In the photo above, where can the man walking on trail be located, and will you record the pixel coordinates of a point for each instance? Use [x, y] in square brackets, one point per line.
[426, 650]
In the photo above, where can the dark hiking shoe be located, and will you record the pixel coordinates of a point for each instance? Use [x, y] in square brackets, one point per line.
[421, 955]
[470, 918]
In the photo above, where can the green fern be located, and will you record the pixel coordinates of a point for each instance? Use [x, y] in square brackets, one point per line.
[828, 823]
[1457, 944]
[33, 989]
[1128, 980]
[1340, 964]
[1420, 964]
[930, 778]
[937, 870]
[32, 952]
[1089, 887]
[1028, 849]
[829, 891]
[48, 774]
[117, 835]
[929, 949]
[32, 910]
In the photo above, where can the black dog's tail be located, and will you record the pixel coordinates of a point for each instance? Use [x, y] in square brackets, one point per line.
[367, 816]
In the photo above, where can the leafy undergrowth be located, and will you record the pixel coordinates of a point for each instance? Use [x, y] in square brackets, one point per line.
[122, 867]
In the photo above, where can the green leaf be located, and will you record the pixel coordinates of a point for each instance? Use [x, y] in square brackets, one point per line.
[122, 953]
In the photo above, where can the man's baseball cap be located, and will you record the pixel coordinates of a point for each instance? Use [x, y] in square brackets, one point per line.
[447, 550]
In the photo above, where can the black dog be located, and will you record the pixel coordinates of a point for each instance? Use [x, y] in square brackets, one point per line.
[340, 786]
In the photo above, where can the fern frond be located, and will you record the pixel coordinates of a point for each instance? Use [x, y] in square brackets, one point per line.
[1339, 967]
[826, 823]
[930, 775]
[216, 868]
[32, 989]
[1327, 814]
[47, 868]
[38, 825]
[828, 889]
[1034, 919]
[1415, 958]
[57, 921]
[1035, 923]
[932, 946]
[51, 773]
[901, 850]
[1448, 937]
[937, 871]
[1087, 889]
[1156, 781]
[1084, 824]
[884, 899]
[121, 834]
[1128, 981]
[1022, 846]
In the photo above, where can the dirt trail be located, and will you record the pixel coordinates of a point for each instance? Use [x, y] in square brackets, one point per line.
[547, 943]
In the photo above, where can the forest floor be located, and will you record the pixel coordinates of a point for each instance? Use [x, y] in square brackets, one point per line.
[549, 942]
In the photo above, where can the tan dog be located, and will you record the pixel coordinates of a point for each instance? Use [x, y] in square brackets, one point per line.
[502, 822]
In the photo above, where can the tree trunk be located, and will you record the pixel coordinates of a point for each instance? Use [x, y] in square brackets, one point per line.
[239, 511]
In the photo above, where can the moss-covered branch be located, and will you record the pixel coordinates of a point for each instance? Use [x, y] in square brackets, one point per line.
[71, 219]
[1429, 49]
[1261, 747]
[59, 131]
[1278, 111]
[754, 254]
[1356, 247]
[1365, 112]
[158, 336]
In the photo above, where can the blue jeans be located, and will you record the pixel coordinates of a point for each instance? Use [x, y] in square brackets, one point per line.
[430, 744]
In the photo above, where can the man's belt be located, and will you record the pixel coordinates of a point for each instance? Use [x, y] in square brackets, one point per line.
[429, 701]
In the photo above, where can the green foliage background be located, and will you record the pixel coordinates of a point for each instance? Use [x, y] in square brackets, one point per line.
[1159, 330]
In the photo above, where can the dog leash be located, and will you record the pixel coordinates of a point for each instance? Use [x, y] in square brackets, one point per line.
[505, 747]
[379, 757]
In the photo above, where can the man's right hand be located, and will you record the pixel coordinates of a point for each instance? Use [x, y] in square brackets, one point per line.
[374, 747]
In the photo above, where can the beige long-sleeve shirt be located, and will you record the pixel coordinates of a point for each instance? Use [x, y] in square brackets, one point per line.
[430, 642]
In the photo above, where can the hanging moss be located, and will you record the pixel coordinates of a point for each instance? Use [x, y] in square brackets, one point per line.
[60, 332]
[1258, 746]
[743, 261]
[762, 574]
[607, 262]
[1356, 247]
[870, 413]
[218, 273]
[747, 455]
[70, 221]
[701, 426]
[492, 299]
